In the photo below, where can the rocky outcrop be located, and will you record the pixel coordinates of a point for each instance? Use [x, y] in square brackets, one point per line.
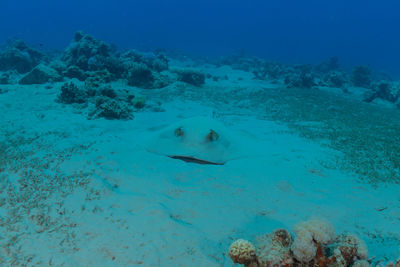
[20, 57]
[41, 74]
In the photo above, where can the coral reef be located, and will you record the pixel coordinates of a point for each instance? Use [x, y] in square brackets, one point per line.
[315, 244]
[86, 52]
[103, 101]
[87, 56]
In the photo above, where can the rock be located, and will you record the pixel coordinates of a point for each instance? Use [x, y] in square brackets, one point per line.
[18, 56]
[40, 74]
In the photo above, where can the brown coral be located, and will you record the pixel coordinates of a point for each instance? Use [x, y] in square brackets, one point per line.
[274, 249]
[243, 252]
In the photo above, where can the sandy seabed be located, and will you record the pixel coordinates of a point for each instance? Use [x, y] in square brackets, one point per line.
[79, 192]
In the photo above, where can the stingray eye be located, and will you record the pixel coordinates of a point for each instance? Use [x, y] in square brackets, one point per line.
[212, 136]
[179, 132]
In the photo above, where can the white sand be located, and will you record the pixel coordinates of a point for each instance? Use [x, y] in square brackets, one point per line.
[139, 208]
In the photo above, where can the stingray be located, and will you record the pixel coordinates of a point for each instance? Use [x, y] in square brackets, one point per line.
[198, 140]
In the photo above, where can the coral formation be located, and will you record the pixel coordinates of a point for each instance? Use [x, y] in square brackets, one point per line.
[70, 93]
[274, 249]
[350, 247]
[335, 79]
[385, 90]
[303, 78]
[315, 244]
[140, 75]
[104, 101]
[396, 264]
[110, 108]
[190, 76]
[86, 52]
[321, 231]
[361, 263]
[145, 71]
[87, 56]
[243, 252]
[74, 72]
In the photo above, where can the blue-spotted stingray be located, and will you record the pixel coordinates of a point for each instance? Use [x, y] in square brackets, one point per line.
[198, 140]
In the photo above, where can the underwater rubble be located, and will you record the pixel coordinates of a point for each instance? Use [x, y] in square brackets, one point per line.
[315, 244]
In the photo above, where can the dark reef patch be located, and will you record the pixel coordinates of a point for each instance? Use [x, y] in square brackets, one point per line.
[102, 101]
[20, 57]
[190, 76]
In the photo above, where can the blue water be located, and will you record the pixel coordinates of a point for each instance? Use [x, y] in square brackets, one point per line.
[358, 32]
